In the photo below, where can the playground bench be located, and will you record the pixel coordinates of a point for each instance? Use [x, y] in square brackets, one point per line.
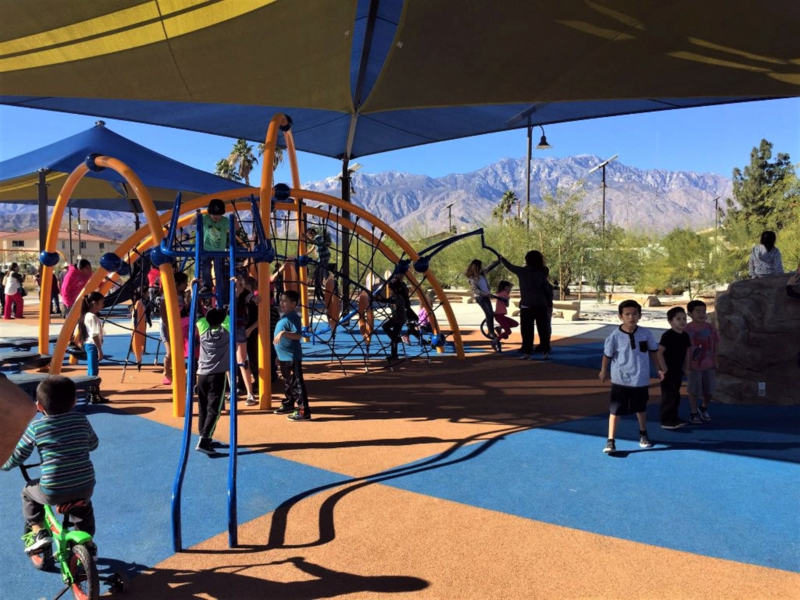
[464, 296]
[570, 311]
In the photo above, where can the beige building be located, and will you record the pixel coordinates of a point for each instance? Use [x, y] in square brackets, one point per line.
[23, 247]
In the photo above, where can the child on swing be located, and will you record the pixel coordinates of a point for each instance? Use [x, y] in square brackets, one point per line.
[476, 276]
[504, 323]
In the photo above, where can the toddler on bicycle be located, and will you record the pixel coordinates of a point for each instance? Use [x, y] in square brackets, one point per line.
[64, 439]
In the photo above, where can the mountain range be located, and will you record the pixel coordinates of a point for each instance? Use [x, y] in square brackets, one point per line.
[652, 200]
[641, 199]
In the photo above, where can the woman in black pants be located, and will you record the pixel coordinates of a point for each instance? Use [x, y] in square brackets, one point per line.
[536, 302]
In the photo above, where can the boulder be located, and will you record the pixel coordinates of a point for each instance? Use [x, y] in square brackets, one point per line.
[759, 330]
[652, 301]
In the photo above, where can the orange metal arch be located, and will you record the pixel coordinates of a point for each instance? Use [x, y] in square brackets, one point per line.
[168, 284]
[301, 226]
[145, 238]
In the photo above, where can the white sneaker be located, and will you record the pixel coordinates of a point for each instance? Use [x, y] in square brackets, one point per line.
[250, 400]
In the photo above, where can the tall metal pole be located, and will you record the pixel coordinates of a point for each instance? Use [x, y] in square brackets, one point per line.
[528, 177]
[450, 219]
[42, 185]
[604, 202]
[71, 251]
[345, 237]
[716, 223]
[80, 243]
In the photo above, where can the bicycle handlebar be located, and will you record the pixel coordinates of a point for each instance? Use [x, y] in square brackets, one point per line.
[24, 469]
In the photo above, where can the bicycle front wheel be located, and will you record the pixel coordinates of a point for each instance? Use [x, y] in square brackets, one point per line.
[85, 580]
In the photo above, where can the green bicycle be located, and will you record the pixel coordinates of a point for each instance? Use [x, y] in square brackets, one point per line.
[72, 550]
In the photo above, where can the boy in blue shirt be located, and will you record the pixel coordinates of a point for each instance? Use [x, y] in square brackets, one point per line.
[288, 334]
[626, 350]
[64, 439]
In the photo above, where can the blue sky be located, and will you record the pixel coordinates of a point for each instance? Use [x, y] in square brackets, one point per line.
[711, 139]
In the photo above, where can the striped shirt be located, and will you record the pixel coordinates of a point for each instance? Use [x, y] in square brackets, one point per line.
[64, 443]
[323, 252]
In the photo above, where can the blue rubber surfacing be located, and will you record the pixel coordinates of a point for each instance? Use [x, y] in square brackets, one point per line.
[728, 490]
[135, 466]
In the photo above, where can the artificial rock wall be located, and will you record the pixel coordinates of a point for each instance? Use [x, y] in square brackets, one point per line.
[759, 329]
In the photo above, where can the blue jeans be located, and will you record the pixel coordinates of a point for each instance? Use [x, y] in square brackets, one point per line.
[92, 360]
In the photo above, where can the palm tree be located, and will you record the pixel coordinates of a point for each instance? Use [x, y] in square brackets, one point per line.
[505, 206]
[223, 169]
[279, 155]
[242, 160]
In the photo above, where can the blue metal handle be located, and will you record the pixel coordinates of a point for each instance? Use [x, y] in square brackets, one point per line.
[177, 487]
[233, 519]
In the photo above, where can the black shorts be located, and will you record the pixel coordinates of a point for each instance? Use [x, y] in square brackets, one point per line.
[627, 400]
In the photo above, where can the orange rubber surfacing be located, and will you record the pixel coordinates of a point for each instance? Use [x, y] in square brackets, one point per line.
[371, 541]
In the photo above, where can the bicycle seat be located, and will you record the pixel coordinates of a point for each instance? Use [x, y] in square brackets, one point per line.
[67, 507]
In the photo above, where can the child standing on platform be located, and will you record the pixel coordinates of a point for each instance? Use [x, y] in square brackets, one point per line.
[212, 373]
[288, 335]
[215, 239]
[673, 355]
[323, 253]
[702, 374]
[626, 353]
[505, 323]
[90, 336]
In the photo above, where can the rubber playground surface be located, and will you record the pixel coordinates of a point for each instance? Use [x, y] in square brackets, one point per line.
[440, 479]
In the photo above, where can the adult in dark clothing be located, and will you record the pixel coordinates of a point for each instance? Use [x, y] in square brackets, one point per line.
[2, 292]
[55, 307]
[536, 301]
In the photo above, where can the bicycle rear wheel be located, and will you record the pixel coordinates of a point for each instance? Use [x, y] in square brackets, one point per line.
[85, 580]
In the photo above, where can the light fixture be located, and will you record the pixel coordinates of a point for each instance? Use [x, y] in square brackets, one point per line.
[543, 145]
[354, 167]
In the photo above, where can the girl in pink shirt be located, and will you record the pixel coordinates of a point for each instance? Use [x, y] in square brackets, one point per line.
[505, 324]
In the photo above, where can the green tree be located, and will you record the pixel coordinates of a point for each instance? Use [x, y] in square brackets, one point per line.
[565, 234]
[224, 169]
[685, 262]
[617, 257]
[242, 160]
[280, 154]
[765, 193]
[505, 206]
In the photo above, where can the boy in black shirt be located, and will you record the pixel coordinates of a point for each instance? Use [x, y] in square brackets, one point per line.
[673, 357]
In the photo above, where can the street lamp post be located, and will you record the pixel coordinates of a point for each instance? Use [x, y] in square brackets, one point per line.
[543, 145]
[602, 166]
[80, 243]
[716, 223]
[71, 251]
[449, 208]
